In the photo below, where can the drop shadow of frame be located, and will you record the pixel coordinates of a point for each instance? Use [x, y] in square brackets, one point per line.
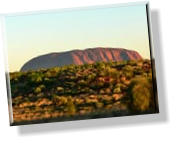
[118, 121]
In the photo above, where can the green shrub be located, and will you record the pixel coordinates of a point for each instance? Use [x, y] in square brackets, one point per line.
[117, 90]
[60, 89]
[37, 90]
[71, 109]
[141, 93]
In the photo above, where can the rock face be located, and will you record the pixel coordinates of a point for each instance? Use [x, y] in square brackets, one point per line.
[80, 57]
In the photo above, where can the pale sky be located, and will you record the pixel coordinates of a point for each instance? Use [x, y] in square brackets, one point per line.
[32, 35]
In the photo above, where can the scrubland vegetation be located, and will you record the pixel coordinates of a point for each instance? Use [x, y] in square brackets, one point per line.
[83, 91]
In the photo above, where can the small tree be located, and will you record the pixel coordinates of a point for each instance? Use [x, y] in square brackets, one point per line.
[141, 94]
[71, 109]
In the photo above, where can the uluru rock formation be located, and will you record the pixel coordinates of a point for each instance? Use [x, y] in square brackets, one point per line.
[79, 57]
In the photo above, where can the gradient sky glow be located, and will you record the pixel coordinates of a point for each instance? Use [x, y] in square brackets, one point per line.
[32, 35]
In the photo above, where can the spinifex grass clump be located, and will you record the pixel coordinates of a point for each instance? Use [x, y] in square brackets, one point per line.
[83, 91]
